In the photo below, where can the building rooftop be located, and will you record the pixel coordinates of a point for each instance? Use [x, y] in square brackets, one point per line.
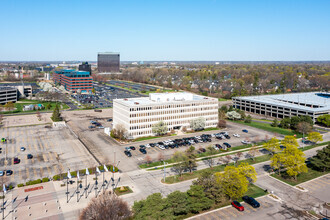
[308, 101]
[107, 53]
[3, 88]
[163, 98]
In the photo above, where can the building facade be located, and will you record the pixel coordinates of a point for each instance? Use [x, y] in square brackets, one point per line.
[177, 110]
[281, 106]
[74, 81]
[85, 67]
[108, 62]
[8, 94]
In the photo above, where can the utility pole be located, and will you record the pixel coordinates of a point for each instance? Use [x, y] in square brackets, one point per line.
[164, 170]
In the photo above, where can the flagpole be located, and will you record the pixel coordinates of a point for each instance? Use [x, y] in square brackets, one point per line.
[95, 183]
[3, 200]
[77, 184]
[87, 173]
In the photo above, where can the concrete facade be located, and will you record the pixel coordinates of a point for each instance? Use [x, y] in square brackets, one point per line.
[8, 94]
[313, 104]
[138, 115]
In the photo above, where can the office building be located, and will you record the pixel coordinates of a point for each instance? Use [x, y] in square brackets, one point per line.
[85, 67]
[138, 115]
[8, 94]
[74, 81]
[108, 62]
[24, 90]
[280, 106]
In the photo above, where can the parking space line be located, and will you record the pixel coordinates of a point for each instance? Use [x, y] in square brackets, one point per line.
[250, 208]
[35, 172]
[222, 213]
[50, 156]
[27, 173]
[237, 212]
[322, 181]
[265, 204]
[20, 174]
[56, 169]
[212, 216]
[12, 177]
[45, 157]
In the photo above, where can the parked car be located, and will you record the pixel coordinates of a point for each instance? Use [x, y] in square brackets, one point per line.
[23, 148]
[238, 206]
[246, 142]
[202, 150]
[132, 147]
[9, 172]
[110, 119]
[245, 131]
[236, 135]
[251, 201]
[127, 148]
[1, 173]
[227, 145]
[142, 150]
[16, 160]
[127, 153]
[29, 156]
[142, 147]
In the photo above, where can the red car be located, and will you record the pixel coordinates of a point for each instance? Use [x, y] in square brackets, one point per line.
[238, 206]
[16, 160]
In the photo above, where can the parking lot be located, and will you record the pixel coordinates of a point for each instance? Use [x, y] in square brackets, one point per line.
[104, 95]
[53, 152]
[132, 85]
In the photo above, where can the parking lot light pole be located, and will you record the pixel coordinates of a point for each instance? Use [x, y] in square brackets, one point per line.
[95, 183]
[165, 170]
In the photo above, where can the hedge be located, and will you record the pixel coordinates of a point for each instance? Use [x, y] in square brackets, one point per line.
[32, 182]
[20, 185]
[45, 179]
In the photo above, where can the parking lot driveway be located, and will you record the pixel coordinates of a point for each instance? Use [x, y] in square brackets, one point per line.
[267, 207]
[319, 188]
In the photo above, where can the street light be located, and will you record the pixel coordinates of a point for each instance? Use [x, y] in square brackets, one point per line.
[164, 170]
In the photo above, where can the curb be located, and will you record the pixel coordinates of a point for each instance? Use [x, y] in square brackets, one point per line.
[314, 179]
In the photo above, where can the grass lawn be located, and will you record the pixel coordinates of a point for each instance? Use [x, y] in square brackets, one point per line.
[222, 99]
[150, 137]
[303, 177]
[255, 191]
[20, 104]
[268, 127]
[120, 192]
[215, 169]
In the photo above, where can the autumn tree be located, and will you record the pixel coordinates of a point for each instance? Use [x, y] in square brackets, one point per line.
[315, 137]
[232, 182]
[119, 132]
[304, 127]
[106, 206]
[273, 145]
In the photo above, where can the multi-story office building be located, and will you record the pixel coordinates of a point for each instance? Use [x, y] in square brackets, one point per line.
[85, 67]
[24, 90]
[138, 115]
[8, 94]
[73, 80]
[108, 62]
[312, 104]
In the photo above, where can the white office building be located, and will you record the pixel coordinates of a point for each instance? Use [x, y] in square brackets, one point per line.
[138, 115]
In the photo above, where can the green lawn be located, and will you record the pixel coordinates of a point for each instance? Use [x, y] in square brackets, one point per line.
[20, 104]
[149, 138]
[222, 99]
[303, 177]
[268, 127]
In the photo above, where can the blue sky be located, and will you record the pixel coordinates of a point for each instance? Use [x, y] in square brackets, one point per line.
[288, 30]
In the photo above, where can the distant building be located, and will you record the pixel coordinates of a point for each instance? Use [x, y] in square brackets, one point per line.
[24, 90]
[85, 67]
[108, 62]
[313, 104]
[177, 110]
[33, 107]
[73, 80]
[7, 94]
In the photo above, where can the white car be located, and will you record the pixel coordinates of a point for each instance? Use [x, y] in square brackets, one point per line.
[215, 147]
[1, 173]
[161, 147]
[246, 142]
[236, 135]
[22, 148]
[147, 145]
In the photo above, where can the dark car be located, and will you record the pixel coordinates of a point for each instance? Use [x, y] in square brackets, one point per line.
[29, 156]
[142, 150]
[127, 153]
[202, 150]
[142, 147]
[152, 145]
[227, 145]
[227, 136]
[238, 206]
[9, 172]
[110, 119]
[16, 160]
[246, 131]
[132, 147]
[251, 201]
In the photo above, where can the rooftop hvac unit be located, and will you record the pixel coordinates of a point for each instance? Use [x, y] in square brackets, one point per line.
[136, 103]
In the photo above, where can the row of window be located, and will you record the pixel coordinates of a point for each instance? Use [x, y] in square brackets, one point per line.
[171, 117]
[172, 111]
[170, 123]
[171, 106]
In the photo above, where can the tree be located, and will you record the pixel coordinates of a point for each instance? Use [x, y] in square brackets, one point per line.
[293, 161]
[211, 188]
[248, 171]
[225, 159]
[106, 206]
[233, 115]
[38, 115]
[248, 119]
[190, 162]
[304, 127]
[56, 114]
[232, 182]
[197, 124]
[119, 132]
[210, 160]
[274, 123]
[179, 166]
[289, 140]
[324, 120]
[253, 152]
[321, 160]
[315, 137]
[197, 200]
[148, 159]
[153, 207]
[49, 106]
[237, 156]
[10, 106]
[159, 128]
[1, 119]
[277, 162]
[177, 203]
[160, 156]
[222, 124]
[273, 145]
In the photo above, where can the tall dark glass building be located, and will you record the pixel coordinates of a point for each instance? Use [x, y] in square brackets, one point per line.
[85, 67]
[108, 62]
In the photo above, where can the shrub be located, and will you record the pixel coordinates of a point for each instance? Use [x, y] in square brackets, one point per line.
[56, 177]
[45, 179]
[20, 185]
[11, 187]
[33, 182]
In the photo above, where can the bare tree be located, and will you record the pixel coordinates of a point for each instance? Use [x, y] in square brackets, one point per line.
[148, 159]
[253, 152]
[160, 156]
[38, 116]
[226, 159]
[106, 206]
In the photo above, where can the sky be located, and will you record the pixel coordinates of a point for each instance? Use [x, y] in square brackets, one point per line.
[153, 30]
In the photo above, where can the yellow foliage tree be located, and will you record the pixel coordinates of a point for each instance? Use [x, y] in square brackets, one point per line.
[289, 140]
[294, 161]
[248, 171]
[273, 145]
[315, 137]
